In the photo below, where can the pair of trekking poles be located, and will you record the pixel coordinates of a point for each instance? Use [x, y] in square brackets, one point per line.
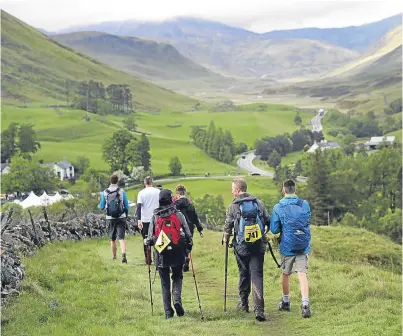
[194, 278]
[227, 246]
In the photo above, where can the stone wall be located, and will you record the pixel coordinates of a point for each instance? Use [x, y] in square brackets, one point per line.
[23, 239]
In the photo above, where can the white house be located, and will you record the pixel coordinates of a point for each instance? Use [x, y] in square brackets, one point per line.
[5, 168]
[323, 145]
[63, 170]
[375, 142]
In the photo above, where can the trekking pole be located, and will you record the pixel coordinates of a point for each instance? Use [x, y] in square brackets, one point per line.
[149, 280]
[197, 291]
[226, 277]
[272, 254]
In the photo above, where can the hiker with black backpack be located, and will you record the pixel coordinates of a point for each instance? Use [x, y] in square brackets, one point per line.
[114, 201]
[290, 218]
[249, 220]
[183, 204]
[170, 236]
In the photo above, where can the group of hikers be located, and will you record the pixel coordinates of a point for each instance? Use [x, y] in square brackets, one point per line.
[167, 223]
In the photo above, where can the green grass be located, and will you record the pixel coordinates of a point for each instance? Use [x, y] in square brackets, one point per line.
[76, 289]
[397, 134]
[37, 67]
[220, 186]
[291, 158]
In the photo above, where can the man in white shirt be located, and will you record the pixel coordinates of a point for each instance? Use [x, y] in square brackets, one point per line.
[147, 202]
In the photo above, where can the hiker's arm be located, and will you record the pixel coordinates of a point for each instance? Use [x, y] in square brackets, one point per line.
[138, 211]
[266, 217]
[139, 223]
[102, 202]
[199, 225]
[185, 226]
[307, 208]
[275, 223]
[126, 203]
[229, 222]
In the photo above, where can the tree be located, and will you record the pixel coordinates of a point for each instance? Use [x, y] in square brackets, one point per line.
[25, 176]
[9, 144]
[175, 166]
[144, 152]
[82, 164]
[114, 150]
[130, 123]
[274, 159]
[241, 147]
[133, 154]
[297, 119]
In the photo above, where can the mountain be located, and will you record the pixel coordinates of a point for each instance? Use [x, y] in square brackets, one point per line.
[37, 67]
[144, 58]
[353, 37]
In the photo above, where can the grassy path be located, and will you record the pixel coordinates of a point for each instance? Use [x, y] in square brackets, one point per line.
[76, 289]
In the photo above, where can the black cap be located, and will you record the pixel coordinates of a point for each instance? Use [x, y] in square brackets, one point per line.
[165, 197]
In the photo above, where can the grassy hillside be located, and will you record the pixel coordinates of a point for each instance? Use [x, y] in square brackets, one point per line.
[64, 134]
[144, 58]
[75, 288]
[35, 67]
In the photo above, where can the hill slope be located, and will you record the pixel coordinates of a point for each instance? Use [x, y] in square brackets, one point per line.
[234, 51]
[72, 287]
[144, 58]
[37, 67]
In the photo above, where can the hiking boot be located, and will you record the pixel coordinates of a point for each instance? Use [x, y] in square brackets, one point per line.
[242, 307]
[170, 314]
[260, 317]
[186, 265]
[124, 259]
[114, 258]
[306, 311]
[284, 306]
[179, 309]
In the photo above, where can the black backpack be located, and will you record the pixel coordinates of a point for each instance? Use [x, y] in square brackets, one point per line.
[114, 205]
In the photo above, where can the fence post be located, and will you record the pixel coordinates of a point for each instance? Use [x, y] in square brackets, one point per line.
[8, 221]
[33, 227]
[45, 215]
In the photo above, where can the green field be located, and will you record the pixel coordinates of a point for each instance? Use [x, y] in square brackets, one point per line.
[217, 186]
[76, 289]
[66, 135]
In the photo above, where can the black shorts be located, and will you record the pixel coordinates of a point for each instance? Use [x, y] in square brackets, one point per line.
[117, 228]
[144, 230]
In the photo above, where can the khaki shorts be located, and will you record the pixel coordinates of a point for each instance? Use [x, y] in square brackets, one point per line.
[291, 264]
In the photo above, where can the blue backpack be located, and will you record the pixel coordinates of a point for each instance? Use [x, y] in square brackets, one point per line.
[296, 233]
[114, 204]
[250, 228]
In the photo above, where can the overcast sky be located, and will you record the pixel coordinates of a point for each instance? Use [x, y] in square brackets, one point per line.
[255, 15]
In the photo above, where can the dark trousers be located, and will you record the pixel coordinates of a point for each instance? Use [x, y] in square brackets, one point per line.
[177, 276]
[251, 276]
[144, 233]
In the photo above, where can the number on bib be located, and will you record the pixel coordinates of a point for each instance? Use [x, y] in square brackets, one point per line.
[252, 233]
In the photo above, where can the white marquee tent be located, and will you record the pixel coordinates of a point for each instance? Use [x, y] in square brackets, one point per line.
[43, 200]
[31, 200]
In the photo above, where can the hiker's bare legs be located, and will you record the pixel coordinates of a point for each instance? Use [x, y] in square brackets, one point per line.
[303, 281]
[122, 246]
[113, 247]
[286, 284]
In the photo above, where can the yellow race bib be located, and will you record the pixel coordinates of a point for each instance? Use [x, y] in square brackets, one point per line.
[162, 242]
[252, 233]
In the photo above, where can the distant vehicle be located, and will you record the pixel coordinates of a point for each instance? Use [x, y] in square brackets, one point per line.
[321, 112]
[255, 174]
[243, 157]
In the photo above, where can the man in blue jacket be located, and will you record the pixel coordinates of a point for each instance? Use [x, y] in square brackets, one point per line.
[291, 217]
[114, 201]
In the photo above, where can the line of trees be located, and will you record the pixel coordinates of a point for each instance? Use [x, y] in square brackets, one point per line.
[217, 143]
[94, 97]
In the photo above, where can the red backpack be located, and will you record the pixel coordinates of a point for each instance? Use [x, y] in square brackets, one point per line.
[171, 226]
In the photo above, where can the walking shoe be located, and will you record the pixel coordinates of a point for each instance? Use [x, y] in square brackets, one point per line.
[124, 260]
[284, 306]
[242, 307]
[306, 311]
[186, 265]
[260, 317]
[179, 309]
[170, 314]
[114, 258]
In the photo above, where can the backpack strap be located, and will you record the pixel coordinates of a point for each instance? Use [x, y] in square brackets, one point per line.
[111, 192]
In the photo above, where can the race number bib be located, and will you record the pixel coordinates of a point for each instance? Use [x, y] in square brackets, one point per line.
[252, 233]
[162, 242]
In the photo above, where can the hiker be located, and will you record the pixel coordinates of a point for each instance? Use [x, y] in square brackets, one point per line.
[114, 201]
[169, 255]
[147, 202]
[183, 204]
[290, 218]
[249, 219]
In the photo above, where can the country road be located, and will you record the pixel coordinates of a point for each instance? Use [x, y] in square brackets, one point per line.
[248, 165]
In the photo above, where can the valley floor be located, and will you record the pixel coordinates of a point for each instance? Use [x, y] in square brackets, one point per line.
[76, 289]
